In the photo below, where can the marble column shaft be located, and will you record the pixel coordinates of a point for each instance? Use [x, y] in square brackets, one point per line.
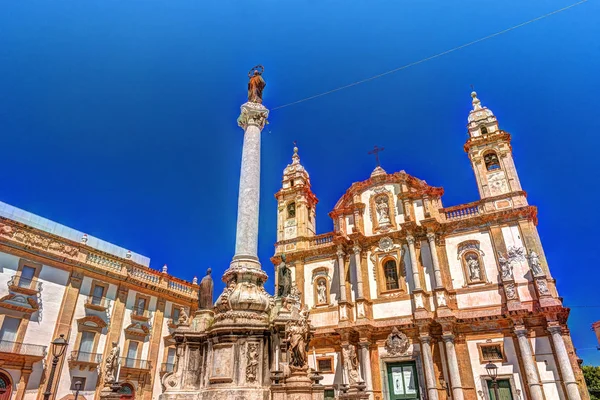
[246, 237]
[454, 371]
[366, 364]
[429, 371]
[413, 262]
[357, 269]
[436, 262]
[342, 274]
[531, 373]
[564, 363]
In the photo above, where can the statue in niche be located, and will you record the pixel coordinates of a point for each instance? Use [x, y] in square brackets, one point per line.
[256, 84]
[284, 284]
[505, 267]
[534, 261]
[111, 364]
[322, 292]
[297, 337]
[383, 210]
[474, 267]
[351, 364]
[205, 292]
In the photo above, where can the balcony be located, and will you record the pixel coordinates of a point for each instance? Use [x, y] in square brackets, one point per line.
[322, 240]
[135, 364]
[84, 360]
[464, 211]
[27, 286]
[166, 368]
[140, 314]
[18, 352]
[97, 303]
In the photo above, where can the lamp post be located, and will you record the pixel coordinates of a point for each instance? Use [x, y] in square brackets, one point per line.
[492, 371]
[77, 389]
[59, 345]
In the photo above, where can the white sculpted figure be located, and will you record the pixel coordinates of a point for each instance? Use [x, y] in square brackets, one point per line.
[505, 267]
[534, 260]
[383, 210]
[111, 364]
[322, 292]
[474, 268]
[351, 364]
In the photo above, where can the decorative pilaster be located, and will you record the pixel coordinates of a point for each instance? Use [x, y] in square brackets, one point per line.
[413, 262]
[429, 371]
[562, 357]
[342, 273]
[457, 391]
[436, 263]
[365, 360]
[359, 279]
[22, 386]
[531, 373]
[252, 119]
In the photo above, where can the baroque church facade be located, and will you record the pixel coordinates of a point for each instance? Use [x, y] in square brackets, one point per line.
[407, 299]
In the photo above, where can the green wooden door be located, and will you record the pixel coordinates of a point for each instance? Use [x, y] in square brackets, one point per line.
[504, 392]
[403, 382]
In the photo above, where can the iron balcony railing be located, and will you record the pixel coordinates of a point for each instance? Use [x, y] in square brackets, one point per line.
[166, 367]
[25, 283]
[135, 363]
[7, 346]
[91, 358]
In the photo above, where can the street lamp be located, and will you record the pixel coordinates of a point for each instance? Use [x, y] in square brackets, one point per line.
[77, 389]
[59, 345]
[492, 371]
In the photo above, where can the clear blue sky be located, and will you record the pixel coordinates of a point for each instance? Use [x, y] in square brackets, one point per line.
[118, 118]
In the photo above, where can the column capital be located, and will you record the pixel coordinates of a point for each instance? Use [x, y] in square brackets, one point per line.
[410, 239]
[554, 327]
[340, 253]
[364, 343]
[521, 330]
[431, 237]
[448, 337]
[253, 114]
[356, 249]
[425, 338]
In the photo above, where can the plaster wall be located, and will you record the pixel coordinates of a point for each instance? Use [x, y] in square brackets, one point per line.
[324, 318]
[419, 211]
[392, 309]
[507, 369]
[478, 299]
[455, 264]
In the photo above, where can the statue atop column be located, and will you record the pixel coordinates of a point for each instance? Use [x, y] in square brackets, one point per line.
[205, 292]
[284, 275]
[256, 84]
[111, 364]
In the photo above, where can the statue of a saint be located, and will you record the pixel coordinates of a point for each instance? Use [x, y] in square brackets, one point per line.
[322, 292]
[383, 210]
[111, 364]
[351, 364]
[205, 292]
[284, 284]
[474, 268]
[534, 260]
[505, 267]
[297, 338]
[256, 84]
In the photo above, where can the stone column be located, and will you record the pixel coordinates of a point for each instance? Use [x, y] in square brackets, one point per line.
[531, 372]
[252, 119]
[564, 362]
[359, 279]
[365, 360]
[342, 274]
[436, 263]
[429, 371]
[413, 262]
[457, 391]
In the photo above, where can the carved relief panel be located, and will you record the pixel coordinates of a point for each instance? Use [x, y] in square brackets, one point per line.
[221, 370]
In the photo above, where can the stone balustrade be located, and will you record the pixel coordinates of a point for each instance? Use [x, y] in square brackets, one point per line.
[462, 211]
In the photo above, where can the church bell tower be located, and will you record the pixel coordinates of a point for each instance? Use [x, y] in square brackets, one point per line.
[296, 203]
[491, 156]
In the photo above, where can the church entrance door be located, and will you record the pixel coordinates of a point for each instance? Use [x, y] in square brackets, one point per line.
[403, 382]
[504, 392]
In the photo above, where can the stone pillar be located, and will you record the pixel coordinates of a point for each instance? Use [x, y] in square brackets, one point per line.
[365, 360]
[531, 373]
[436, 263]
[413, 262]
[453, 370]
[562, 357]
[342, 273]
[25, 373]
[429, 371]
[359, 278]
[252, 119]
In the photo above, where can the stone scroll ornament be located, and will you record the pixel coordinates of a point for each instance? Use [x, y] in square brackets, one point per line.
[397, 343]
[111, 364]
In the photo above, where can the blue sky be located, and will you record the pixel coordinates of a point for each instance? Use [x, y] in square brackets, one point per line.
[118, 118]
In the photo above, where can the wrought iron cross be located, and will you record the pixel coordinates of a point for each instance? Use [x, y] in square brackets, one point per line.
[376, 151]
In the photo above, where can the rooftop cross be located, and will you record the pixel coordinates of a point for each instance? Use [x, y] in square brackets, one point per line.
[376, 151]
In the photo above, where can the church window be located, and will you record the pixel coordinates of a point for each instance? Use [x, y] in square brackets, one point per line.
[491, 161]
[325, 364]
[491, 352]
[484, 130]
[390, 270]
[291, 210]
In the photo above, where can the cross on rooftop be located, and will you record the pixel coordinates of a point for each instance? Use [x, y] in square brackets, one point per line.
[376, 151]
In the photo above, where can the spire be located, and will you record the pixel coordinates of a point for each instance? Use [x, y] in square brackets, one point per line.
[481, 119]
[295, 170]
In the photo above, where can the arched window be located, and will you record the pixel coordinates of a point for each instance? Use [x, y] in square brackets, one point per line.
[127, 392]
[5, 387]
[291, 210]
[390, 271]
[484, 130]
[491, 161]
